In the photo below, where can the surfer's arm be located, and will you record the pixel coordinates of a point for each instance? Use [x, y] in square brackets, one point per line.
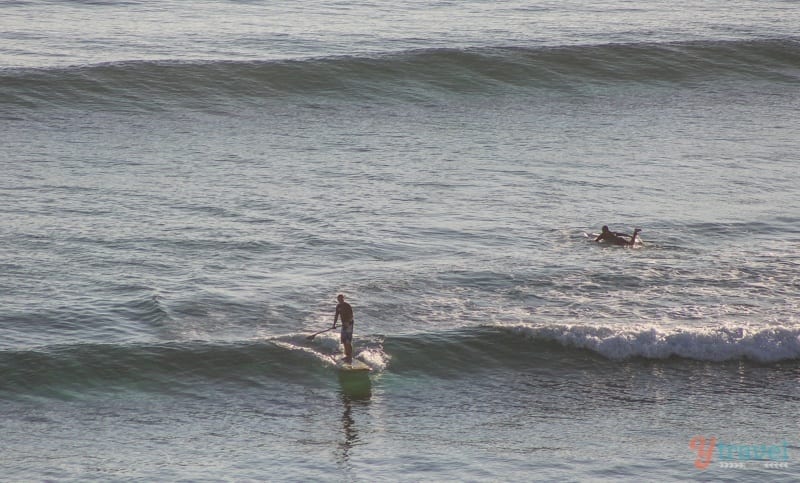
[335, 316]
[633, 238]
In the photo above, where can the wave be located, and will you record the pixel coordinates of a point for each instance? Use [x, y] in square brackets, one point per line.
[171, 367]
[405, 76]
[180, 367]
[765, 345]
[557, 347]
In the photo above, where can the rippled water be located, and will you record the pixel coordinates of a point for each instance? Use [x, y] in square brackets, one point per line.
[186, 190]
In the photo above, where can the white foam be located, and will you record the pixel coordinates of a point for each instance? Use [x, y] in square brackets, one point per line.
[323, 347]
[376, 358]
[327, 348]
[713, 344]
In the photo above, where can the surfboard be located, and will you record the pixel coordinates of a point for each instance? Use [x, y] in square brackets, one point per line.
[355, 366]
[593, 236]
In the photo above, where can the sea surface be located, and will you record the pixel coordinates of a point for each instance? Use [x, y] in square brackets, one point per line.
[186, 186]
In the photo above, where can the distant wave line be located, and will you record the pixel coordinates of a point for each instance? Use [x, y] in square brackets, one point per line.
[406, 75]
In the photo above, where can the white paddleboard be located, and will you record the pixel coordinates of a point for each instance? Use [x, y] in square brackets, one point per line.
[355, 366]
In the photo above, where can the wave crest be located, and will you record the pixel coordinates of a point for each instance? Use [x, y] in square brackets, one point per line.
[709, 344]
[400, 76]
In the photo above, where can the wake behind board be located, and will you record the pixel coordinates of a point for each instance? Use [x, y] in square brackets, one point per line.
[355, 366]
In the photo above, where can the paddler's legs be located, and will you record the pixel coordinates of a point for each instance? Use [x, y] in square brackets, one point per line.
[348, 352]
[347, 342]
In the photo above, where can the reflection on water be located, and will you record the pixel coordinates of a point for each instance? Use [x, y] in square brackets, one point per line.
[355, 385]
[356, 391]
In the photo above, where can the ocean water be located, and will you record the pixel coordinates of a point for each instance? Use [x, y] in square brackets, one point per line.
[186, 187]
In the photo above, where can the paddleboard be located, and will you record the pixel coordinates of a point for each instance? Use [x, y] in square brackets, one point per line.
[355, 366]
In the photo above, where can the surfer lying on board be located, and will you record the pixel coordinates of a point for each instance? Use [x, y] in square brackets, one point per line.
[345, 311]
[615, 238]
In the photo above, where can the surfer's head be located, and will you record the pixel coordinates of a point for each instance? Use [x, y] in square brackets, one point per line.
[340, 298]
[605, 228]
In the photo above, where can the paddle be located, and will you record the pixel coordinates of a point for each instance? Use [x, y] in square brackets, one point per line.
[311, 337]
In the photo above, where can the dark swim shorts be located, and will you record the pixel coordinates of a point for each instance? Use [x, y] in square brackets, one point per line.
[347, 335]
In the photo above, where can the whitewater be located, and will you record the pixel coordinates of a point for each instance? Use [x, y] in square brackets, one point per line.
[186, 187]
